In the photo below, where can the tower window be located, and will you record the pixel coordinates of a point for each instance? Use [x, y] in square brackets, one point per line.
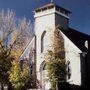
[42, 41]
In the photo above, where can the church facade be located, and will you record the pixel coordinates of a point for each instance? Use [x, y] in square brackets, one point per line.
[74, 43]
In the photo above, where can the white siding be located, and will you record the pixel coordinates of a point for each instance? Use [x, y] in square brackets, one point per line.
[43, 23]
[72, 54]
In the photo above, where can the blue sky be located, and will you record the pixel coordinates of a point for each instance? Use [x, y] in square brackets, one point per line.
[79, 19]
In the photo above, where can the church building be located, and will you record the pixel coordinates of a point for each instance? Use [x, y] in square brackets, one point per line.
[75, 44]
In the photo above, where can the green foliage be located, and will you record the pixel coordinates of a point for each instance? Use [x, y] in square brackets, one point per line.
[56, 64]
[18, 77]
[17, 33]
[56, 69]
[5, 62]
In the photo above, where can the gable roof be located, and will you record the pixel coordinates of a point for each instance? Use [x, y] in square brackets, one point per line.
[78, 38]
[28, 50]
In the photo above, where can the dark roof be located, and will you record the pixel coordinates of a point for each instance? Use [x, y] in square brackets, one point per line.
[78, 38]
[51, 5]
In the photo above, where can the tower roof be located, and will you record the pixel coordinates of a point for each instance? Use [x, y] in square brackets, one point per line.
[50, 5]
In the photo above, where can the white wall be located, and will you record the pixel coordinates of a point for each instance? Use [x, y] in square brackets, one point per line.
[43, 23]
[72, 54]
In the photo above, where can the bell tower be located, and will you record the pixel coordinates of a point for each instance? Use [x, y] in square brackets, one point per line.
[52, 15]
[47, 17]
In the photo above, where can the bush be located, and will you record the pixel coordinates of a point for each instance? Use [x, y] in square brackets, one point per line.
[19, 78]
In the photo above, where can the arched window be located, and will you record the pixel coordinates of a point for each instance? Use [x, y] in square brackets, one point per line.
[43, 74]
[86, 43]
[45, 67]
[68, 70]
[42, 41]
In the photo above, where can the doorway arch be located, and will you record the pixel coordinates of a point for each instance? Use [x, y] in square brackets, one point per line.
[43, 75]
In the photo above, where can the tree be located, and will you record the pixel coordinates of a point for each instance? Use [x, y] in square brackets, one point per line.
[7, 23]
[56, 70]
[14, 31]
[5, 64]
[55, 60]
[18, 77]
[15, 34]
[23, 38]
